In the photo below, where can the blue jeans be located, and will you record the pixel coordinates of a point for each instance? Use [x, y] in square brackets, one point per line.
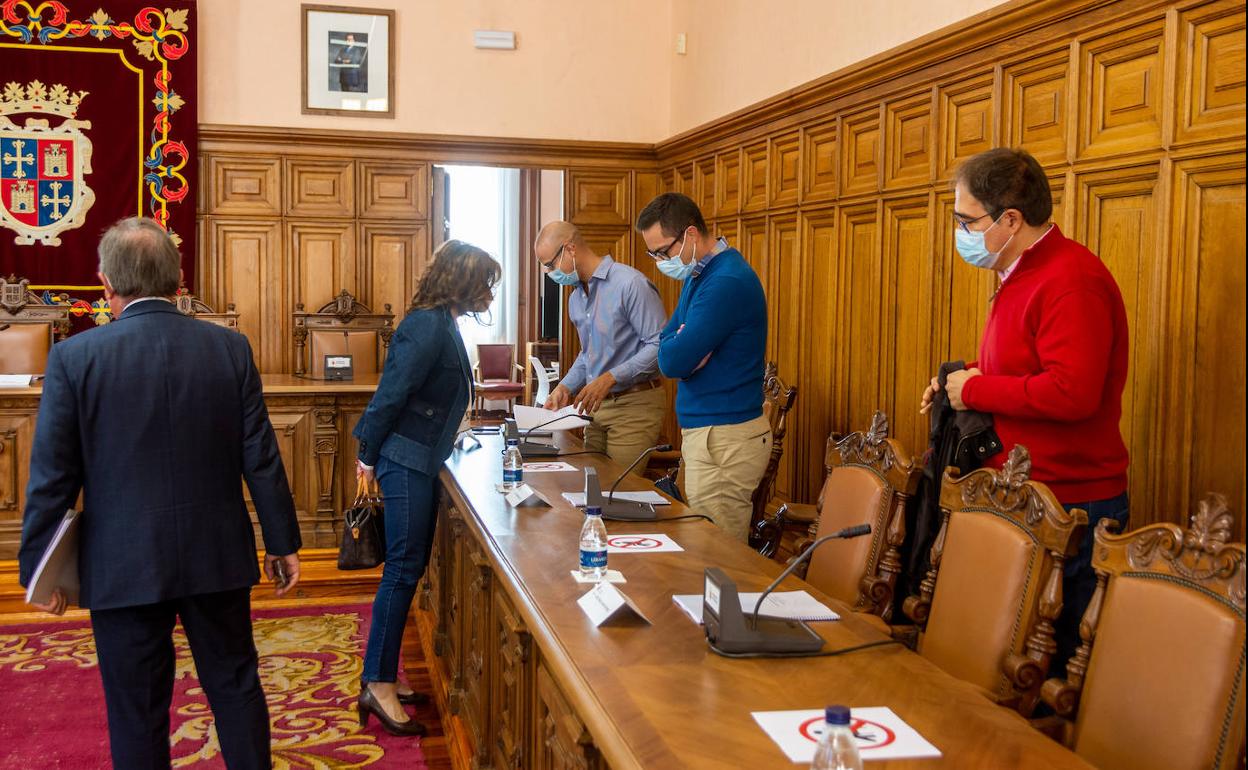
[411, 516]
[1079, 581]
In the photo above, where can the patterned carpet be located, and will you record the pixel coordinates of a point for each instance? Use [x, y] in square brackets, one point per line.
[310, 659]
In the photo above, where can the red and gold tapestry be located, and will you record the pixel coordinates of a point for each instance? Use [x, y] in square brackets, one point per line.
[97, 122]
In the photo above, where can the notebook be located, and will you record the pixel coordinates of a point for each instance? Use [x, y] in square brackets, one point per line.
[790, 605]
[58, 567]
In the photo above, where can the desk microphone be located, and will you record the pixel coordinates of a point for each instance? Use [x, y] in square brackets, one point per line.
[727, 631]
[625, 510]
[629, 469]
[533, 448]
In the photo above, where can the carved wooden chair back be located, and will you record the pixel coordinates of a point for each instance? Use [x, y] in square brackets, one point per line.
[341, 326]
[189, 304]
[28, 327]
[994, 589]
[778, 400]
[869, 478]
[1159, 678]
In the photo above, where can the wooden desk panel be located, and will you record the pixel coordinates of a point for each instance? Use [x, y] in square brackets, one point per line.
[648, 696]
[312, 419]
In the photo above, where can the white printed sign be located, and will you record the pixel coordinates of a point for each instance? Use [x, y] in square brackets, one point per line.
[641, 544]
[881, 734]
[605, 602]
[524, 495]
[551, 467]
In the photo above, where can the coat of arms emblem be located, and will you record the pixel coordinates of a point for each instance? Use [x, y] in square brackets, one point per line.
[42, 167]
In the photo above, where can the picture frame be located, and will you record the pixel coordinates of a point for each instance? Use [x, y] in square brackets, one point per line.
[348, 61]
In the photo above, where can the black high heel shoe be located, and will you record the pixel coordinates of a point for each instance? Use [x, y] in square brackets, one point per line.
[368, 704]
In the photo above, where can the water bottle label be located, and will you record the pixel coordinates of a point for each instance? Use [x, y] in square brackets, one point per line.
[512, 476]
[593, 559]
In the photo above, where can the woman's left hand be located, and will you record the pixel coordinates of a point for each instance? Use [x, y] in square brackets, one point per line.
[363, 470]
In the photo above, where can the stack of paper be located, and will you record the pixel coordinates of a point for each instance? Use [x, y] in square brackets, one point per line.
[529, 417]
[790, 605]
[644, 496]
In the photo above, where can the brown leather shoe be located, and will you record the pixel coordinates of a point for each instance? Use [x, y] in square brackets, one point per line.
[368, 704]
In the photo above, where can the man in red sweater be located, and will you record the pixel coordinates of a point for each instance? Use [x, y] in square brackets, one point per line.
[1053, 359]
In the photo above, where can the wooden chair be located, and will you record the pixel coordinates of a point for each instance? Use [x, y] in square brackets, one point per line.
[988, 602]
[28, 328]
[1159, 678]
[189, 304]
[494, 375]
[869, 477]
[341, 326]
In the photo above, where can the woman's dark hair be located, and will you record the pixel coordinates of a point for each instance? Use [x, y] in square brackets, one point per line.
[1003, 178]
[461, 276]
[674, 212]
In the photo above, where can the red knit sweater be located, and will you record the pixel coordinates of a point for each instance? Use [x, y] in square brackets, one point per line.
[1054, 362]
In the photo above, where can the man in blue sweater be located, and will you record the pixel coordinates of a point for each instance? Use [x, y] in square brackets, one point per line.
[714, 344]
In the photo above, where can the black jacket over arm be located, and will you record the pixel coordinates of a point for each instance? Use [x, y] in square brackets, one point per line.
[156, 418]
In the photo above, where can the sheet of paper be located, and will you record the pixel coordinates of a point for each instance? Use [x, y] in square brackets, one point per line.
[551, 467]
[881, 734]
[641, 544]
[532, 416]
[613, 576]
[645, 496]
[792, 605]
[14, 380]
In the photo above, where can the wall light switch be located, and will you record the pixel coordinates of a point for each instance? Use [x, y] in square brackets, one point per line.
[680, 43]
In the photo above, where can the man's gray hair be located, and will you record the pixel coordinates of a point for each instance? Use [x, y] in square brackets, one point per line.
[140, 259]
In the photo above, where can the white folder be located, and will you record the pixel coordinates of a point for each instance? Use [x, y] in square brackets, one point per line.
[58, 567]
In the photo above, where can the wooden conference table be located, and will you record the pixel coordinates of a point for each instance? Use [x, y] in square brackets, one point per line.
[524, 679]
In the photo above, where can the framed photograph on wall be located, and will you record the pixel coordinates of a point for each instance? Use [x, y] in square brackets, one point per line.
[348, 61]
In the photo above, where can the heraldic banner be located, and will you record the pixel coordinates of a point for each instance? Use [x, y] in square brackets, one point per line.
[97, 123]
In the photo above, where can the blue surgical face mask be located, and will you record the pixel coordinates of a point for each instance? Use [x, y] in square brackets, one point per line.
[971, 246]
[565, 279]
[675, 267]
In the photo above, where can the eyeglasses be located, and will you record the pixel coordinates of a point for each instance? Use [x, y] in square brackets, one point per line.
[663, 252]
[548, 266]
[962, 222]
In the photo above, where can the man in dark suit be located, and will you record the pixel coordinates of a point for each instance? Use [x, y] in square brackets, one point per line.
[155, 417]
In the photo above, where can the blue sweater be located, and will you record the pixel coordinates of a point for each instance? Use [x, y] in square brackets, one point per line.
[724, 313]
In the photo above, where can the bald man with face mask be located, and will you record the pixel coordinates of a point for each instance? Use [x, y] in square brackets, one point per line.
[618, 314]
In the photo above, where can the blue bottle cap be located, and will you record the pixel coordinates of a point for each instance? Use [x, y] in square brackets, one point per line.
[513, 442]
[593, 510]
[837, 715]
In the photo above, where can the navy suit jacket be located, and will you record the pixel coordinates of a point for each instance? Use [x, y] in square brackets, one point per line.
[424, 390]
[156, 418]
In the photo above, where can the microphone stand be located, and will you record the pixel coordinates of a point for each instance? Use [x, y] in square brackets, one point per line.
[532, 448]
[629, 469]
[619, 510]
[857, 530]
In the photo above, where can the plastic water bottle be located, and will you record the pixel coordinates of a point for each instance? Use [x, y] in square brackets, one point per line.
[513, 466]
[593, 545]
[838, 749]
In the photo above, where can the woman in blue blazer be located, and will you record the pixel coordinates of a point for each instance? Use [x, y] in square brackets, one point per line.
[405, 435]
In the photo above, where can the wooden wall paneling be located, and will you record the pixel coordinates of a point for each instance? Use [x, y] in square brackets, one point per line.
[967, 119]
[752, 243]
[824, 343]
[683, 179]
[1036, 105]
[1123, 81]
[786, 316]
[754, 178]
[1117, 220]
[728, 183]
[392, 260]
[862, 151]
[909, 152]
[646, 186]
[322, 257]
[393, 190]
[598, 197]
[17, 433]
[909, 281]
[964, 290]
[1211, 80]
[861, 298]
[819, 162]
[247, 185]
[251, 272]
[320, 188]
[784, 161]
[704, 186]
[1205, 377]
[729, 229]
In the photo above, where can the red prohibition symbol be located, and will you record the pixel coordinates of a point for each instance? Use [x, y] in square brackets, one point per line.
[870, 735]
[635, 543]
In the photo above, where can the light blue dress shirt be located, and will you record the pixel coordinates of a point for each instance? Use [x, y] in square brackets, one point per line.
[618, 316]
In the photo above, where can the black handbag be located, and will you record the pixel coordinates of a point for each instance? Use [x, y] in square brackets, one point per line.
[363, 531]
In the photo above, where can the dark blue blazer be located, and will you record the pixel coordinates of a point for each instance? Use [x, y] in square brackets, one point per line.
[424, 390]
[155, 418]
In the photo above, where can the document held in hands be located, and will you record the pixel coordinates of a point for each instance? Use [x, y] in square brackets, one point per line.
[528, 417]
[58, 567]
